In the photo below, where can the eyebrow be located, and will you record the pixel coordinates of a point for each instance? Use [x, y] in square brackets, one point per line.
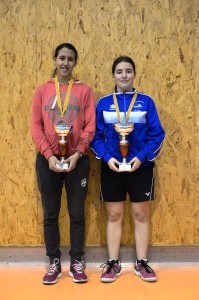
[65, 56]
[129, 69]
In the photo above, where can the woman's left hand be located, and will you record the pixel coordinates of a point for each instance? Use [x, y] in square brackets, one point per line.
[72, 160]
[136, 163]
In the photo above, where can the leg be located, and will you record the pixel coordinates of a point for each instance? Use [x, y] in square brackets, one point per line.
[112, 268]
[142, 192]
[115, 212]
[140, 213]
[50, 186]
[76, 183]
[113, 189]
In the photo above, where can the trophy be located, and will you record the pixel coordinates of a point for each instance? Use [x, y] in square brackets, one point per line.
[63, 130]
[124, 130]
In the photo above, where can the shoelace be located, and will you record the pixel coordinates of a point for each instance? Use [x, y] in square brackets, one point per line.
[146, 267]
[108, 267]
[78, 266]
[54, 266]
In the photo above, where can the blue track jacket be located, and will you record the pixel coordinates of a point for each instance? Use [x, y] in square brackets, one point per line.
[145, 140]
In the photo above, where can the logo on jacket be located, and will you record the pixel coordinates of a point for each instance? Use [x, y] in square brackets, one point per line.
[71, 113]
[138, 105]
[112, 107]
[84, 182]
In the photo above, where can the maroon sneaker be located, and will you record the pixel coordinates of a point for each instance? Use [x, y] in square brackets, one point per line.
[54, 273]
[77, 271]
[143, 270]
[112, 270]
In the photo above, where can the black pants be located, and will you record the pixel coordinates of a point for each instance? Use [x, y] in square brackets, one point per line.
[50, 186]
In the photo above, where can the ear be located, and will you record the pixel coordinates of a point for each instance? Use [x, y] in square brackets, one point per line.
[113, 77]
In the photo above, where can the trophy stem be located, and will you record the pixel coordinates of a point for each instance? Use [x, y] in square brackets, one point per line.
[124, 160]
[63, 146]
[124, 146]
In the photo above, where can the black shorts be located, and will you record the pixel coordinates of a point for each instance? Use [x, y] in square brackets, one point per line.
[139, 184]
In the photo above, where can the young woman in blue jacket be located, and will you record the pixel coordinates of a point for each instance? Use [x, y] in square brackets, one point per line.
[120, 109]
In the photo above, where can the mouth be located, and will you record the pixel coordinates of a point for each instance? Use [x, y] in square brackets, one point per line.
[65, 70]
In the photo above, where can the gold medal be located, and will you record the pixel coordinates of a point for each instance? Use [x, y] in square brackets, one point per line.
[59, 102]
[129, 109]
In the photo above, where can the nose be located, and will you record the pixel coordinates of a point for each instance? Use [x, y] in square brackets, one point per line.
[123, 74]
[66, 62]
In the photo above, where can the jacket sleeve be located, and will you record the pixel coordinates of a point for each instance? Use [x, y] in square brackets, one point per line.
[37, 125]
[155, 135]
[88, 132]
[98, 143]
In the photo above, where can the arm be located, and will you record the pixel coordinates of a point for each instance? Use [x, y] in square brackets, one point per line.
[88, 132]
[98, 143]
[154, 137]
[37, 125]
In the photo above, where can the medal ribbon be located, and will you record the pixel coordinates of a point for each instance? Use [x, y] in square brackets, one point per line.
[59, 102]
[129, 109]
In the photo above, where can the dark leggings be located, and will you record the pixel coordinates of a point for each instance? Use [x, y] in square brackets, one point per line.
[50, 185]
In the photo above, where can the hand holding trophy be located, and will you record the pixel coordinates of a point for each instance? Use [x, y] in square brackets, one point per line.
[124, 130]
[62, 129]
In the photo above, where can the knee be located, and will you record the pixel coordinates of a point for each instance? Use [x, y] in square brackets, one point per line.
[50, 220]
[114, 216]
[141, 216]
[76, 216]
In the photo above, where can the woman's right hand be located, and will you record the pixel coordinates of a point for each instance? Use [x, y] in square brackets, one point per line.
[112, 164]
[52, 162]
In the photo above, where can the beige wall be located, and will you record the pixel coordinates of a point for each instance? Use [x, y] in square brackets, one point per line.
[162, 38]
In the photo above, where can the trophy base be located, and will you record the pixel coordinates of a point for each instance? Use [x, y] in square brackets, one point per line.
[124, 167]
[63, 166]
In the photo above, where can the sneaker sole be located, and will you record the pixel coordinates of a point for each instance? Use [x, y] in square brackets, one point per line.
[76, 280]
[152, 279]
[53, 282]
[109, 280]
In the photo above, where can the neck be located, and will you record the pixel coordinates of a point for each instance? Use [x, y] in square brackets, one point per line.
[63, 80]
[119, 90]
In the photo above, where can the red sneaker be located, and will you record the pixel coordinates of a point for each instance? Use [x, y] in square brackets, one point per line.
[77, 272]
[112, 270]
[54, 273]
[143, 270]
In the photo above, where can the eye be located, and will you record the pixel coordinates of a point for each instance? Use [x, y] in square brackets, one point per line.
[62, 57]
[71, 59]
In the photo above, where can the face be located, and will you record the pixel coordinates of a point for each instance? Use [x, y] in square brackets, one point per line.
[124, 77]
[65, 63]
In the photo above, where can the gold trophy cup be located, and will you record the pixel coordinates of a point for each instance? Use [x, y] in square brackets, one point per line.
[124, 130]
[62, 129]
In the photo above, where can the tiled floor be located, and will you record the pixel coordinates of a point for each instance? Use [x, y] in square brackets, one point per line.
[175, 282]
